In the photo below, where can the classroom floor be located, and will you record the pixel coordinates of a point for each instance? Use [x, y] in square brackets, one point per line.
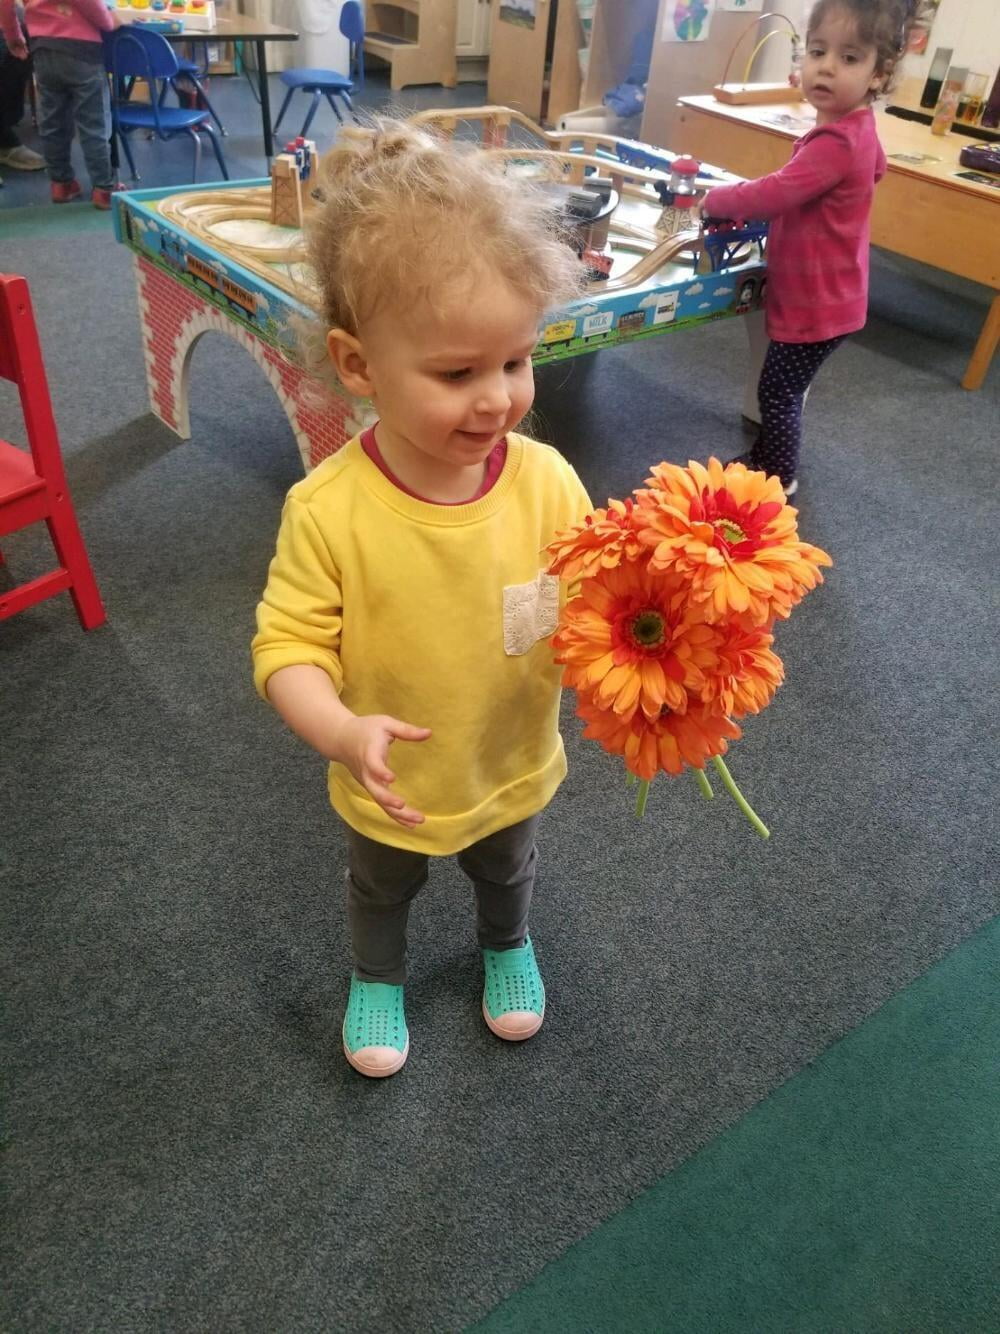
[235, 99]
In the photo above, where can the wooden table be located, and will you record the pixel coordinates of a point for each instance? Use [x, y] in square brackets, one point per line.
[241, 28]
[921, 209]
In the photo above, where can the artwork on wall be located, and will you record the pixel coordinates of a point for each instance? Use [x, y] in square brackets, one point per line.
[687, 20]
[519, 12]
[742, 6]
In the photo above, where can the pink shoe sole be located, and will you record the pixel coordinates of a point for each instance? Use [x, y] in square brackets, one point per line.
[515, 1026]
[377, 1062]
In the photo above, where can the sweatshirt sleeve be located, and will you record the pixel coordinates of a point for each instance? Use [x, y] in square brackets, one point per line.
[823, 159]
[95, 12]
[299, 616]
[9, 25]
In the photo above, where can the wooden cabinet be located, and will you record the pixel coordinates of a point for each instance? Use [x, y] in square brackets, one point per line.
[535, 69]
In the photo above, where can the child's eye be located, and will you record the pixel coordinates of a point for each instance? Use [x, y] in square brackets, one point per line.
[510, 366]
[453, 376]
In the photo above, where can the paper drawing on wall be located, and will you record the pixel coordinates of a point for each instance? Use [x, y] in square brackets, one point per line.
[742, 6]
[687, 20]
[519, 12]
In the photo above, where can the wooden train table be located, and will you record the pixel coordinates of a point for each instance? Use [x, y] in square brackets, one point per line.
[211, 258]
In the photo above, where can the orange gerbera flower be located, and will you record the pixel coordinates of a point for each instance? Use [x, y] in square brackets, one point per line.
[669, 741]
[748, 672]
[631, 639]
[728, 531]
[604, 539]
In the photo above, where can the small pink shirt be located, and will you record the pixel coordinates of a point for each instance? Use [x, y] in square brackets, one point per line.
[79, 20]
[819, 205]
[495, 460]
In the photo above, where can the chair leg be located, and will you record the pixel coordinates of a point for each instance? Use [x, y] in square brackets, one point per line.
[284, 108]
[123, 140]
[197, 152]
[309, 117]
[69, 545]
[333, 104]
[203, 98]
[217, 147]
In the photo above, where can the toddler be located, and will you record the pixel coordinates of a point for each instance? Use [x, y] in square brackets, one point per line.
[407, 605]
[819, 206]
[68, 58]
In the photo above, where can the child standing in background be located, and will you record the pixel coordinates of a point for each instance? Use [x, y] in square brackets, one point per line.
[820, 207]
[68, 58]
[407, 604]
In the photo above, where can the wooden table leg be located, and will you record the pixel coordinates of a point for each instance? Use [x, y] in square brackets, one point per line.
[979, 364]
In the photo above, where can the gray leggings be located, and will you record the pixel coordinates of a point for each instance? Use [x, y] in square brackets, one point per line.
[382, 881]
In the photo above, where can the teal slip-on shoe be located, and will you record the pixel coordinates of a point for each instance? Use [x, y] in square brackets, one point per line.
[514, 994]
[376, 1039]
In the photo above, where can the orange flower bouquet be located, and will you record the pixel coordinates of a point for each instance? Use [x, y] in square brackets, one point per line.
[668, 636]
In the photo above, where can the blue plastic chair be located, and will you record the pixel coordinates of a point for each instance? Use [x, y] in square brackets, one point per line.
[326, 82]
[134, 53]
[192, 74]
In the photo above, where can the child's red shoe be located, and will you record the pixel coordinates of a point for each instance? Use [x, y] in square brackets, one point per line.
[102, 198]
[64, 191]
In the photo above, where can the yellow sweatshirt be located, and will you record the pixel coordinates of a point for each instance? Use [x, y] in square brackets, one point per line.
[438, 615]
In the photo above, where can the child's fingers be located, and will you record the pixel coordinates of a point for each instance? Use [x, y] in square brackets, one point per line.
[394, 805]
[401, 731]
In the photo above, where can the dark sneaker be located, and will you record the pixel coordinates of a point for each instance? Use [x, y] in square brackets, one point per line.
[790, 487]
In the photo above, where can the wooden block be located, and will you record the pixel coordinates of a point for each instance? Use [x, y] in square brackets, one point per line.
[755, 94]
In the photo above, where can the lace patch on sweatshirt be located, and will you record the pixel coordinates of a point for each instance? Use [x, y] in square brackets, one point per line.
[530, 613]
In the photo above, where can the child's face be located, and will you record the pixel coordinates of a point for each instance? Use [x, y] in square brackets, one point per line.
[449, 383]
[838, 73]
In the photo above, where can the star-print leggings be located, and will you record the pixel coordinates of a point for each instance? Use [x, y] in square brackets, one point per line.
[788, 371]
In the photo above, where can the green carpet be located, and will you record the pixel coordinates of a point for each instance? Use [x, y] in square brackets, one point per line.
[79, 216]
[861, 1196]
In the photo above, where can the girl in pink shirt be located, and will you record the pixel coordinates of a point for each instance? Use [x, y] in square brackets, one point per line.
[819, 206]
[68, 58]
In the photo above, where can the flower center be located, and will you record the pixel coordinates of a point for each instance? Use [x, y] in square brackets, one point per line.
[729, 531]
[648, 630]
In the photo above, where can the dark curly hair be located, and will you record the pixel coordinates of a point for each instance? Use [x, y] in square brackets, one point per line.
[884, 24]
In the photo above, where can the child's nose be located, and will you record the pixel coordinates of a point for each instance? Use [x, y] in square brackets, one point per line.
[494, 396]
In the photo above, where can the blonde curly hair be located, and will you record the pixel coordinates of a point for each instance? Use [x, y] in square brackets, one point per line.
[409, 216]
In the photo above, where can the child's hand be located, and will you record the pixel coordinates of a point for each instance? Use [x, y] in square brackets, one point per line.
[19, 49]
[363, 749]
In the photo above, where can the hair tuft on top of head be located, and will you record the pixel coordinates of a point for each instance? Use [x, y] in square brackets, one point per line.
[409, 215]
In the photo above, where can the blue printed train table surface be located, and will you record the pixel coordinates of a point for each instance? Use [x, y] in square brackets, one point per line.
[209, 258]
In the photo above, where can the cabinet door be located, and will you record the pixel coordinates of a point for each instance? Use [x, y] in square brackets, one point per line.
[517, 55]
[473, 33]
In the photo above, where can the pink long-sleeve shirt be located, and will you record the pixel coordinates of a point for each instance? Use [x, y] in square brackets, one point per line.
[75, 20]
[819, 206]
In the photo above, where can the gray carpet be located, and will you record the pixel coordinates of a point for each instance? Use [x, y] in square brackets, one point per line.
[186, 1148]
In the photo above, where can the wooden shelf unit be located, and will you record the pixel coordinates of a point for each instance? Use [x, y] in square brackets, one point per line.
[416, 38]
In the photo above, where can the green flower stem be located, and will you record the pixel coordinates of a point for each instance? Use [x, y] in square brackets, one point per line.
[630, 778]
[730, 785]
[640, 801]
[701, 777]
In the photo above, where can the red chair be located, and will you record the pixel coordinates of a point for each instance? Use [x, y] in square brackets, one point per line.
[33, 485]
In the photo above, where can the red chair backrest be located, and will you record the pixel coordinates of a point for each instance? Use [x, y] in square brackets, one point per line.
[21, 362]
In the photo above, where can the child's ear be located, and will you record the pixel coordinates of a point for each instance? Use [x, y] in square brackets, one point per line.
[880, 79]
[349, 362]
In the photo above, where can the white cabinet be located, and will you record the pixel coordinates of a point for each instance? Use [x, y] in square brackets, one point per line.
[473, 34]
